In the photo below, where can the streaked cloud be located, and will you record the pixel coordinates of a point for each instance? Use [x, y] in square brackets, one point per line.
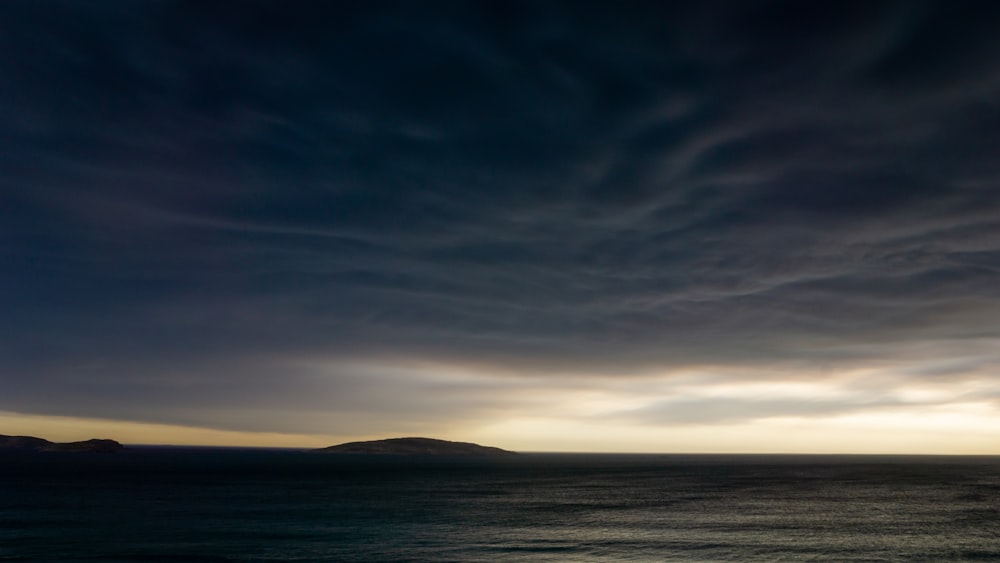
[357, 219]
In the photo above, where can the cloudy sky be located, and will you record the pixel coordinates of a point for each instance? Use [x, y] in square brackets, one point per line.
[692, 226]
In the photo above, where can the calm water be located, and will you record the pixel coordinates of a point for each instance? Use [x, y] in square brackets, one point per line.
[211, 505]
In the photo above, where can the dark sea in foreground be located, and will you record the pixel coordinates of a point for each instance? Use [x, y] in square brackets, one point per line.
[167, 504]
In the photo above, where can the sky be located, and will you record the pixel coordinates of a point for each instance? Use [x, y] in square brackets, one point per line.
[718, 226]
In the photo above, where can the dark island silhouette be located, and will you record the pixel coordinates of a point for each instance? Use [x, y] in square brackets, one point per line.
[33, 444]
[416, 447]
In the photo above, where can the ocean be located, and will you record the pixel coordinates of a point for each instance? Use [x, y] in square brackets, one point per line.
[175, 504]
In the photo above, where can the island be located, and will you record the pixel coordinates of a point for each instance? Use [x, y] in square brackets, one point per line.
[416, 447]
[33, 444]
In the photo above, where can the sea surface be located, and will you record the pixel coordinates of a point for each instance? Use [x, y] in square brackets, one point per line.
[166, 504]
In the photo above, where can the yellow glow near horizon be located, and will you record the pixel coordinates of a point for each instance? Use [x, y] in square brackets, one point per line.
[972, 429]
[69, 429]
[913, 433]
[619, 414]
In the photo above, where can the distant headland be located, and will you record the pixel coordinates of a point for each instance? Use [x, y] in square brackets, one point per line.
[416, 446]
[33, 444]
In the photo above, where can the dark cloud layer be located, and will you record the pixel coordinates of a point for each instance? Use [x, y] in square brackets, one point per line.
[197, 194]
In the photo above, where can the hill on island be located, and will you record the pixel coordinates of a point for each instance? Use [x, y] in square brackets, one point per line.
[416, 446]
[33, 444]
